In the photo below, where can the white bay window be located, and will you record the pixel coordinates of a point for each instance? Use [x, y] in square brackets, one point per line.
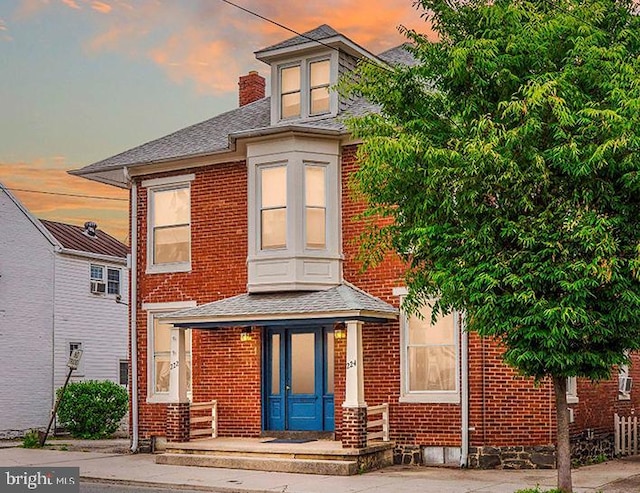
[315, 206]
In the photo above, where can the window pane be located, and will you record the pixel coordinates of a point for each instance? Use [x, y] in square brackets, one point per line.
[290, 79]
[274, 228]
[319, 100]
[162, 373]
[171, 207]
[274, 186]
[315, 194]
[171, 244]
[275, 364]
[290, 105]
[316, 227]
[124, 373]
[303, 363]
[319, 73]
[113, 281]
[432, 368]
[161, 336]
[422, 332]
[97, 272]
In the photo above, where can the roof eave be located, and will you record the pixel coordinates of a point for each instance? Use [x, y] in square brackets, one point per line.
[338, 42]
[278, 318]
[94, 256]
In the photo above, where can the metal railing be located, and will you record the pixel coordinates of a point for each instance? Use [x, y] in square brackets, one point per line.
[199, 414]
[378, 427]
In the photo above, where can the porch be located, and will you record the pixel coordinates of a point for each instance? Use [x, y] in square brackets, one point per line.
[326, 457]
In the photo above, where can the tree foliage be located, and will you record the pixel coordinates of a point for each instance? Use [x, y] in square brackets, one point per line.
[508, 158]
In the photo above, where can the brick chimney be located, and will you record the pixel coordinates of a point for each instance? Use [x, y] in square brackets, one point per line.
[251, 88]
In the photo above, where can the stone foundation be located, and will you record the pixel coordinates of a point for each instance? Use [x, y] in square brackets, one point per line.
[536, 457]
[589, 447]
[408, 455]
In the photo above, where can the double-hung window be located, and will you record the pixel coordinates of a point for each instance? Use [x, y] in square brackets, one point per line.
[101, 284]
[315, 206]
[273, 209]
[430, 357]
[161, 358]
[304, 89]
[169, 224]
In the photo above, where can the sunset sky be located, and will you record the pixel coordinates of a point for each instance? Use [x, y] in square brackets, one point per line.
[81, 80]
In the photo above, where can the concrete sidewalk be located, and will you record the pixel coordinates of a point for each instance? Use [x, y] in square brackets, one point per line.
[619, 476]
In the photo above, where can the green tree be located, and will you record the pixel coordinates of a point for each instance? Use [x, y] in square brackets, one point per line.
[508, 159]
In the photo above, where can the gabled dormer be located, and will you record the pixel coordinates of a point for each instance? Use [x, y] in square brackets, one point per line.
[303, 69]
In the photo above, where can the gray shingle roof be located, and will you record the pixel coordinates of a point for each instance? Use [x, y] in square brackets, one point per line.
[398, 56]
[215, 135]
[341, 300]
[318, 34]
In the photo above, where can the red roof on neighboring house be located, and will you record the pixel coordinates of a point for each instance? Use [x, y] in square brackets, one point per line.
[75, 238]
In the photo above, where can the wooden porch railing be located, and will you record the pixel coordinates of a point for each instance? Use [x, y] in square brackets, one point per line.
[199, 415]
[378, 427]
[626, 435]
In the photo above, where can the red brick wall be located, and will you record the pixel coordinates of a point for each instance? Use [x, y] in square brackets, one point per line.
[505, 409]
[223, 368]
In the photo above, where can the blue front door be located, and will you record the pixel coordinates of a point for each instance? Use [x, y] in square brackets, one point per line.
[299, 379]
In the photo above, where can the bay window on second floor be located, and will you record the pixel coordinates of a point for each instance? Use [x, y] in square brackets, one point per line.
[294, 230]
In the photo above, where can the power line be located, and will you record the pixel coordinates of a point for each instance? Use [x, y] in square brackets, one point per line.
[286, 28]
[96, 197]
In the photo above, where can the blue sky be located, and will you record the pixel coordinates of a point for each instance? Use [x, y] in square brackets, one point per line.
[82, 80]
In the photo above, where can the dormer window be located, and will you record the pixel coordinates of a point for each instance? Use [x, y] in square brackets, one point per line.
[319, 77]
[303, 88]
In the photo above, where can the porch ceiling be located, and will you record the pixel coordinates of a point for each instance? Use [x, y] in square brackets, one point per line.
[338, 304]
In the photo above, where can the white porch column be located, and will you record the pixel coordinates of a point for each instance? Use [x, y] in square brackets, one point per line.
[178, 367]
[354, 388]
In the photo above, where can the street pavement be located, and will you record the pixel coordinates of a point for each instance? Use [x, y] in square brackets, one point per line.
[107, 464]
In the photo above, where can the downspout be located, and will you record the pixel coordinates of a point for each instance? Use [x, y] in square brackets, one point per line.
[133, 276]
[464, 452]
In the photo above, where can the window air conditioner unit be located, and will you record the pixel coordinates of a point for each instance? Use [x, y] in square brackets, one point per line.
[98, 287]
[624, 384]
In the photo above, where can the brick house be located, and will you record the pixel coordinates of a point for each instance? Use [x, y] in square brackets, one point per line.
[247, 291]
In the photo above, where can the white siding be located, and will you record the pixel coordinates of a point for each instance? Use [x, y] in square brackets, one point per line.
[96, 321]
[26, 322]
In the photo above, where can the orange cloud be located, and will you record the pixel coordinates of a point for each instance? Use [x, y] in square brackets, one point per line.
[102, 7]
[49, 175]
[211, 43]
[71, 3]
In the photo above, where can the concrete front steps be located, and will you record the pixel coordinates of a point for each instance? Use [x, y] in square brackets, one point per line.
[319, 457]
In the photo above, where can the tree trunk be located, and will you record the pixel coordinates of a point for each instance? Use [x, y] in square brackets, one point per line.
[563, 449]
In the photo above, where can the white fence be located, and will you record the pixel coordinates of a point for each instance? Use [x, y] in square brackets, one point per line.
[626, 435]
[200, 414]
[379, 426]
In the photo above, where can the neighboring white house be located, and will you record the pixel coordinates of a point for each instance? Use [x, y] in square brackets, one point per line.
[61, 288]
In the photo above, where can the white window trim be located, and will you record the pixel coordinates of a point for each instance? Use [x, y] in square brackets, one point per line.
[105, 279]
[158, 185]
[325, 167]
[287, 239]
[572, 390]
[305, 85]
[623, 372]
[154, 309]
[425, 396]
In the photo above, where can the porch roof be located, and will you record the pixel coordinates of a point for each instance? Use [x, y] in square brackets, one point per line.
[337, 304]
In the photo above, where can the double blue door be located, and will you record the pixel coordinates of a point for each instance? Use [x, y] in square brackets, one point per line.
[299, 379]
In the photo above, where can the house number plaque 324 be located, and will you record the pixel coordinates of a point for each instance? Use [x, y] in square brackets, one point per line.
[351, 364]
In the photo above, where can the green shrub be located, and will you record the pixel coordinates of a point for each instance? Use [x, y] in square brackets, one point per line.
[31, 439]
[92, 409]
